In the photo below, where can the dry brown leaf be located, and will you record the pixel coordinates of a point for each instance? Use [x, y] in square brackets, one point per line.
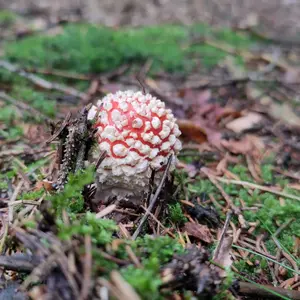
[199, 231]
[245, 122]
[224, 112]
[249, 144]
[242, 146]
[196, 98]
[192, 130]
[43, 184]
[291, 75]
[283, 112]
[223, 256]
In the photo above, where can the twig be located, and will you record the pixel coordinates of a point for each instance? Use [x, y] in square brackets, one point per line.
[107, 210]
[257, 186]
[100, 159]
[167, 230]
[87, 268]
[242, 242]
[59, 73]
[19, 262]
[116, 260]
[154, 199]
[283, 226]
[258, 291]
[133, 257]
[236, 210]
[123, 287]
[41, 271]
[13, 199]
[17, 152]
[111, 288]
[269, 258]
[23, 106]
[225, 227]
[40, 82]
[60, 130]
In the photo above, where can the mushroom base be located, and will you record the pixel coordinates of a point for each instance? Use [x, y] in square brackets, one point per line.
[129, 191]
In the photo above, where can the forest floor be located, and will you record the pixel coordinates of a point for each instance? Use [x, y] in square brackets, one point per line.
[226, 227]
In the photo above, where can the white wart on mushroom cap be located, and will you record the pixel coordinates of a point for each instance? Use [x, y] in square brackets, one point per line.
[138, 134]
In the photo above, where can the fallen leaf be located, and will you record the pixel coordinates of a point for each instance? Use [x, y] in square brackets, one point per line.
[198, 231]
[192, 130]
[43, 184]
[291, 75]
[224, 112]
[223, 256]
[242, 146]
[245, 122]
[249, 144]
[283, 112]
[214, 138]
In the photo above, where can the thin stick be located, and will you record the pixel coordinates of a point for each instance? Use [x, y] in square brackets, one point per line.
[13, 199]
[47, 85]
[265, 291]
[107, 210]
[225, 227]
[256, 186]
[159, 223]
[23, 106]
[87, 268]
[100, 159]
[154, 199]
[19, 262]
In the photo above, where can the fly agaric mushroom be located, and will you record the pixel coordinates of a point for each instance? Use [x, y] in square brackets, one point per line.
[138, 135]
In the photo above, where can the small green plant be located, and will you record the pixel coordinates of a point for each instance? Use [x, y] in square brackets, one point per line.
[176, 214]
[145, 281]
[70, 199]
[36, 99]
[100, 230]
[163, 248]
[154, 252]
[93, 49]
[7, 18]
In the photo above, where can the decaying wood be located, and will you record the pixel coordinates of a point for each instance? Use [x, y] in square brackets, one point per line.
[190, 270]
[75, 141]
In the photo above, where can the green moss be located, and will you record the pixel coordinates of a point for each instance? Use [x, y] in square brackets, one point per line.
[241, 171]
[38, 100]
[100, 230]
[7, 18]
[176, 215]
[162, 248]
[145, 281]
[11, 133]
[202, 186]
[226, 284]
[154, 252]
[266, 172]
[7, 114]
[31, 195]
[70, 199]
[91, 49]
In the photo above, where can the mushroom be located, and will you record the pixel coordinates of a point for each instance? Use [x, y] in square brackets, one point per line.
[138, 134]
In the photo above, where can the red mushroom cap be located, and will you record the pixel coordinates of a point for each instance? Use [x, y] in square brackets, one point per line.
[137, 132]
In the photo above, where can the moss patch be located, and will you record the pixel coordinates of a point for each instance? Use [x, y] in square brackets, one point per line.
[92, 49]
